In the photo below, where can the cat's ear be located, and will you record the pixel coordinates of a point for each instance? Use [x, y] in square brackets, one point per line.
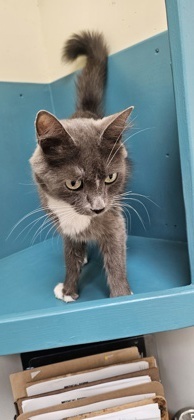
[50, 132]
[115, 125]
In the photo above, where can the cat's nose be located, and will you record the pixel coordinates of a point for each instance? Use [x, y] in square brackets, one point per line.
[97, 211]
[97, 205]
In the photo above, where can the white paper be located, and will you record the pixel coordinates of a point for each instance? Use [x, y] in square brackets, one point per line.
[48, 401]
[82, 378]
[60, 415]
[145, 412]
[34, 374]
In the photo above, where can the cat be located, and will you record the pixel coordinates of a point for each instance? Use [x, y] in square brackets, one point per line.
[80, 166]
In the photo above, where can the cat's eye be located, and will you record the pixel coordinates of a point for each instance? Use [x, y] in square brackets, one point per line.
[111, 178]
[73, 185]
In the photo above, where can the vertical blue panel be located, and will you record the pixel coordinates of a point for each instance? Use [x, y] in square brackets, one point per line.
[18, 106]
[181, 31]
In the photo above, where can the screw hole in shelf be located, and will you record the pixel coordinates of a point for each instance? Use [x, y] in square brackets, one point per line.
[157, 50]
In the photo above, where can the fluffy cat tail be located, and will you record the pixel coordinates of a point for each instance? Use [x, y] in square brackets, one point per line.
[91, 82]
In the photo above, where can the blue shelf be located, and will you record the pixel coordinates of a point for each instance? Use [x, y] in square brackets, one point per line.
[160, 264]
[32, 318]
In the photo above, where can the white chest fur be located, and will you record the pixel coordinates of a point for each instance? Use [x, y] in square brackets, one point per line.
[71, 222]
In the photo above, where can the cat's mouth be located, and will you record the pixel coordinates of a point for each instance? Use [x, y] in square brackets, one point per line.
[98, 211]
[93, 212]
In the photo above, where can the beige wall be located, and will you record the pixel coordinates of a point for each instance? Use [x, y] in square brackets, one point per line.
[22, 53]
[32, 32]
[176, 362]
[123, 22]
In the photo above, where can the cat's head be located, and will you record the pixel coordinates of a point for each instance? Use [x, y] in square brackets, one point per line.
[81, 161]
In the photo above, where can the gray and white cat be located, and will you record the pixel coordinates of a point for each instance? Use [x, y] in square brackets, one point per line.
[80, 166]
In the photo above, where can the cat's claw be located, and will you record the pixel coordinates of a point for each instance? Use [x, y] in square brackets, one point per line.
[68, 298]
[58, 292]
[85, 261]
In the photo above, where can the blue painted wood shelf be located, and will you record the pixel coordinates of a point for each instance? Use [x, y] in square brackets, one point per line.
[157, 77]
[32, 318]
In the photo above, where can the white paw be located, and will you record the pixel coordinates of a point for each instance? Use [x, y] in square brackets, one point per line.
[58, 292]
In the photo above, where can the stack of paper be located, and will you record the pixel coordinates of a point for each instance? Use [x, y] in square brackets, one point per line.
[113, 385]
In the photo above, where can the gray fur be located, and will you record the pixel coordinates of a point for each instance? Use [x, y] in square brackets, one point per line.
[91, 82]
[86, 148]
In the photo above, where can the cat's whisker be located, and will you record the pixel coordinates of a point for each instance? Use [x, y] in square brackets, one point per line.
[131, 121]
[147, 198]
[127, 206]
[144, 206]
[55, 231]
[124, 193]
[63, 217]
[22, 219]
[57, 226]
[109, 156]
[117, 205]
[136, 212]
[51, 220]
[126, 128]
[30, 183]
[33, 223]
[130, 137]
[130, 193]
[52, 227]
[25, 184]
[135, 128]
[45, 224]
[128, 212]
[138, 201]
[31, 192]
[126, 218]
[38, 210]
[41, 228]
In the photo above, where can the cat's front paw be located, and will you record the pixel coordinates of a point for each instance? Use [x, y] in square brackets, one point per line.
[61, 294]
